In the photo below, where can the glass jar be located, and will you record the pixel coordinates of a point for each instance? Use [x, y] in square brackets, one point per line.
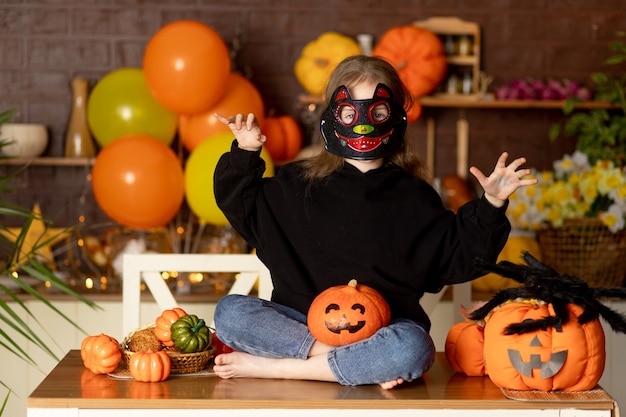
[465, 46]
[453, 84]
[467, 82]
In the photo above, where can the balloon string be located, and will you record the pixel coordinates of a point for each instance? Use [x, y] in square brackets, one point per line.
[188, 234]
[198, 238]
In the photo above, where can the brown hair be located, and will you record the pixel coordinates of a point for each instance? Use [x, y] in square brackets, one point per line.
[351, 71]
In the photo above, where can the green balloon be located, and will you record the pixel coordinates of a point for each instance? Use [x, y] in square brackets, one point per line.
[121, 104]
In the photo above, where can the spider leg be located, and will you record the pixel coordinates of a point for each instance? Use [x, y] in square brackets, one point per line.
[557, 321]
[609, 292]
[537, 265]
[616, 320]
[528, 326]
[590, 311]
[496, 300]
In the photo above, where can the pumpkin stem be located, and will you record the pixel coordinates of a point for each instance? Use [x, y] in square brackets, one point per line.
[320, 62]
[352, 283]
[401, 65]
[199, 325]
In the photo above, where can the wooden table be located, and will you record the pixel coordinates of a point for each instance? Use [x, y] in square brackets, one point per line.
[70, 390]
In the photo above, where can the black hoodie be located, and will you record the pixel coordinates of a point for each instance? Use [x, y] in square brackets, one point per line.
[383, 228]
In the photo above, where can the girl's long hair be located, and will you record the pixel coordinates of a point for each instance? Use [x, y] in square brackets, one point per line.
[351, 71]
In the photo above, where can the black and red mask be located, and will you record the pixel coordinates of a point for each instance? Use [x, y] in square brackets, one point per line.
[363, 129]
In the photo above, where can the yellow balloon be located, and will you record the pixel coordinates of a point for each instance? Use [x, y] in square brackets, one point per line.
[121, 104]
[199, 170]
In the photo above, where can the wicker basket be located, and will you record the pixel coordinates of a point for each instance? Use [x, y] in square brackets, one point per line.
[182, 363]
[586, 249]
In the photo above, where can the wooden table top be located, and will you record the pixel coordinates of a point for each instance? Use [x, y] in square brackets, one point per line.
[70, 385]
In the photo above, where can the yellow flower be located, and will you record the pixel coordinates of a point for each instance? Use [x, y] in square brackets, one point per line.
[573, 189]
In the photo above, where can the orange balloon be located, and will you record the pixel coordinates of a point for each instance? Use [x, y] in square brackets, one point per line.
[186, 64]
[241, 97]
[138, 182]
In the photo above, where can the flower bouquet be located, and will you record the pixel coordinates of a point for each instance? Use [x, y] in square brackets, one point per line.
[578, 211]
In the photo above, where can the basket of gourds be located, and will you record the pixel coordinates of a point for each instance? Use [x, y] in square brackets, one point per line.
[185, 339]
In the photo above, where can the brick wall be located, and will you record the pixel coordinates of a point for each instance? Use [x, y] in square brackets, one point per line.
[44, 43]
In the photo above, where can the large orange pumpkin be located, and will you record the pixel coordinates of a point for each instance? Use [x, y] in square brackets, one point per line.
[150, 366]
[284, 137]
[345, 314]
[100, 353]
[418, 56]
[569, 358]
[164, 322]
[319, 58]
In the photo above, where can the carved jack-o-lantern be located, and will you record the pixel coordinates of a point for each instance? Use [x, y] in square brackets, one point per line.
[570, 357]
[347, 313]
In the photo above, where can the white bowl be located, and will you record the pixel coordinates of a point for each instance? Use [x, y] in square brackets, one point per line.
[27, 140]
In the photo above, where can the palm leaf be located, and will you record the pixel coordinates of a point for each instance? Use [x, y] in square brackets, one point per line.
[17, 261]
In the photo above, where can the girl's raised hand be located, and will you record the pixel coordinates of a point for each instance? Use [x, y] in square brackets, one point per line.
[246, 130]
[504, 180]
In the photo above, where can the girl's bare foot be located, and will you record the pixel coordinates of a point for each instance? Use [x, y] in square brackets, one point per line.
[245, 365]
[391, 384]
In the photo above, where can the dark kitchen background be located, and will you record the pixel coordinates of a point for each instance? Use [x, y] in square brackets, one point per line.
[46, 43]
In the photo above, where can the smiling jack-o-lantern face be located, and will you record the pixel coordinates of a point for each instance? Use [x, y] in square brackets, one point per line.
[570, 357]
[347, 313]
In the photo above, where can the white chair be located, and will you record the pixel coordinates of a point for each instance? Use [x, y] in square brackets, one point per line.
[149, 267]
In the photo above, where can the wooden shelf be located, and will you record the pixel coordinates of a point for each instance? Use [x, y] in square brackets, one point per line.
[49, 161]
[431, 101]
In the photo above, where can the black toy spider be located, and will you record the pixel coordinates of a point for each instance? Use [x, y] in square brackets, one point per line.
[544, 283]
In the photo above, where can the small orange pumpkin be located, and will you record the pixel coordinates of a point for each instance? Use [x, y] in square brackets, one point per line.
[284, 137]
[150, 366]
[418, 56]
[164, 322]
[464, 348]
[569, 358]
[345, 314]
[100, 353]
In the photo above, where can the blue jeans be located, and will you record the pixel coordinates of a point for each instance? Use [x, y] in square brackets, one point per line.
[403, 349]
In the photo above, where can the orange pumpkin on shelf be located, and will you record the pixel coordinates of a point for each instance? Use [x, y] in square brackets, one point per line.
[418, 56]
[100, 353]
[345, 314]
[284, 137]
[150, 366]
[164, 322]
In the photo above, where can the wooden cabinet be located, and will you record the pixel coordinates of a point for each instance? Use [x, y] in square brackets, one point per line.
[461, 40]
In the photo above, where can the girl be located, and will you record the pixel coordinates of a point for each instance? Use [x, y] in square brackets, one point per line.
[360, 209]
